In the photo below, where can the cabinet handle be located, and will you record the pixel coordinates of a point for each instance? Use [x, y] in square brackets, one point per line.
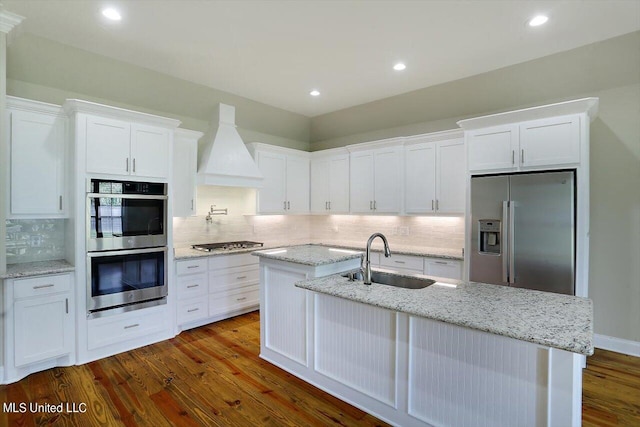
[432, 205]
[400, 262]
[192, 310]
[192, 286]
[134, 165]
[66, 305]
[127, 168]
[326, 206]
[522, 156]
[135, 325]
[374, 205]
[370, 205]
[193, 266]
[241, 277]
[191, 204]
[285, 205]
[48, 285]
[513, 157]
[437, 204]
[441, 262]
[289, 205]
[329, 205]
[60, 201]
[241, 299]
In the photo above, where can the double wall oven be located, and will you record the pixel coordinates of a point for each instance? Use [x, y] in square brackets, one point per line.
[126, 246]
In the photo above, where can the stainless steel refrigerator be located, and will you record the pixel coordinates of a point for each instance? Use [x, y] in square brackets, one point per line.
[523, 231]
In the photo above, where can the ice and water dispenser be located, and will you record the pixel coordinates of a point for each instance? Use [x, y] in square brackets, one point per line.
[490, 237]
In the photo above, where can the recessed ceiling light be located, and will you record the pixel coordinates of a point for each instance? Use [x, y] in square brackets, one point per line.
[538, 20]
[112, 14]
[314, 93]
[399, 66]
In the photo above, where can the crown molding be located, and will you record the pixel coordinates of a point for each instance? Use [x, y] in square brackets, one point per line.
[9, 20]
[28, 105]
[74, 106]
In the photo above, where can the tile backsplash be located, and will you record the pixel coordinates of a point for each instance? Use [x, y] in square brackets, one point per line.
[29, 240]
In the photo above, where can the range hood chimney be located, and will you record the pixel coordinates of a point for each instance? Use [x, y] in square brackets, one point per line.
[224, 159]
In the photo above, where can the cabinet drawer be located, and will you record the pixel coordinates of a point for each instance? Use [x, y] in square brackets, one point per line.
[451, 269]
[226, 261]
[192, 310]
[42, 285]
[405, 262]
[192, 285]
[233, 278]
[103, 332]
[192, 266]
[226, 302]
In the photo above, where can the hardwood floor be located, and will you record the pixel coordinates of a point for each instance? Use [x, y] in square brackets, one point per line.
[212, 376]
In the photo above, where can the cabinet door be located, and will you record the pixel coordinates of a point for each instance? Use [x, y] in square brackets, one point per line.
[43, 329]
[387, 180]
[108, 143]
[272, 195]
[320, 185]
[451, 177]
[150, 151]
[420, 178]
[493, 148]
[549, 142]
[339, 184]
[361, 182]
[37, 164]
[297, 185]
[185, 156]
[450, 269]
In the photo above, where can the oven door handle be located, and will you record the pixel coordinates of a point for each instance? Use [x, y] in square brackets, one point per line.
[127, 252]
[127, 196]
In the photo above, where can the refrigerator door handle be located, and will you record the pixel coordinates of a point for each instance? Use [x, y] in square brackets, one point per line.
[512, 240]
[505, 244]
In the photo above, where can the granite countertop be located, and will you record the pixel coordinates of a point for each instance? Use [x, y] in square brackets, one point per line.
[553, 320]
[456, 254]
[38, 268]
[314, 255]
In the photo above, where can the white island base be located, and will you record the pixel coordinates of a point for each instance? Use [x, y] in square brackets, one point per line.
[409, 370]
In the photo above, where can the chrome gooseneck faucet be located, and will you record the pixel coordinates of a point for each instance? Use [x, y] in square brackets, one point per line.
[366, 268]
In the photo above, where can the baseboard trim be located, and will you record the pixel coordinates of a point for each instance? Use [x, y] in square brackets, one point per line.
[619, 345]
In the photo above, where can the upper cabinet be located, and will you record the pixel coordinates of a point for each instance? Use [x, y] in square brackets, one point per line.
[185, 168]
[536, 138]
[37, 135]
[375, 177]
[122, 142]
[285, 184]
[329, 182]
[435, 173]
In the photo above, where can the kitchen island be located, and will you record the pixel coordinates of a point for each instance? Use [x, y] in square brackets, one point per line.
[449, 354]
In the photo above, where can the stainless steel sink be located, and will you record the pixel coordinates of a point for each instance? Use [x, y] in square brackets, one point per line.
[399, 281]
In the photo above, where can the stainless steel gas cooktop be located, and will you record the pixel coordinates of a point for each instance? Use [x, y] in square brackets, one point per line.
[208, 247]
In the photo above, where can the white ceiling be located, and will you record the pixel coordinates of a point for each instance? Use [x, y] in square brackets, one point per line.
[276, 51]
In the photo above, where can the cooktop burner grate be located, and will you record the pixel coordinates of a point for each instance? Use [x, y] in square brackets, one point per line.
[243, 244]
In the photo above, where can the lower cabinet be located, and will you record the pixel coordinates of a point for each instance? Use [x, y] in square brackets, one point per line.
[448, 268]
[411, 264]
[39, 327]
[216, 287]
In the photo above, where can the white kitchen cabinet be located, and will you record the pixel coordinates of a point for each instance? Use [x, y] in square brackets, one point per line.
[215, 288]
[285, 184]
[118, 147]
[447, 268]
[402, 263]
[39, 324]
[435, 174]
[185, 168]
[37, 144]
[330, 184]
[547, 142]
[375, 179]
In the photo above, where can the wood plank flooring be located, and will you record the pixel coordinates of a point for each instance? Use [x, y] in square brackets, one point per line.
[212, 376]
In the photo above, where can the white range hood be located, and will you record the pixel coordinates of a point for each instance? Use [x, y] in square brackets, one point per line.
[223, 157]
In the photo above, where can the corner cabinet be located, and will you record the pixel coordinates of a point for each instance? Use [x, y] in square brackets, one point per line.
[375, 184]
[330, 182]
[286, 176]
[122, 142]
[39, 324]
[185, 168]
[37, 135]
[435, 174]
